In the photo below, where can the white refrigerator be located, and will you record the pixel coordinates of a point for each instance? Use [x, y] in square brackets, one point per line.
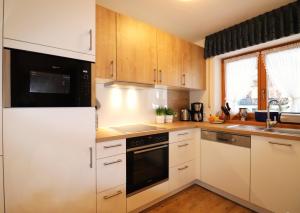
[49, 160]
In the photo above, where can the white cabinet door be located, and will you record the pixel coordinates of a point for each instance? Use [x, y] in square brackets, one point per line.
[111, 172]
[1, 186]
[275, 174]
[181, 175]
[181, 152]
[62, 24]
[49, 160]
[226, 167]
[112, 201]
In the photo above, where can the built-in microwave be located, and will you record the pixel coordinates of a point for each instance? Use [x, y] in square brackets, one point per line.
[38, 80]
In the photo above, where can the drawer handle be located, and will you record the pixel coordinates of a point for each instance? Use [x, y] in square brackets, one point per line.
[113, 162]
[183, 168]
[183, 145]
[181, 134]
[112, 146]
[112, 195]
[280, 144]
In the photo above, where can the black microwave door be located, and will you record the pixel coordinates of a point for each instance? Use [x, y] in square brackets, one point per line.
[39, 80]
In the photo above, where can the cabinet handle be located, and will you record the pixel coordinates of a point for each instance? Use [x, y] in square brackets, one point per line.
[112, 69]
[91, 157]
[91, 39]
[183, 168]
[280, 144]
[160, 76]
[112, 195]
[183, 145]
[154, 75]
[183, 79]
[181, 134]
[113, 162]
[112, 146]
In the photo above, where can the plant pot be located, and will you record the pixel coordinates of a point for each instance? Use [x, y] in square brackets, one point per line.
[169, 118]
[160, 119]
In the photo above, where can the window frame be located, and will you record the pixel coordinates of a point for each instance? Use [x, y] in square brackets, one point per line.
[261, 75]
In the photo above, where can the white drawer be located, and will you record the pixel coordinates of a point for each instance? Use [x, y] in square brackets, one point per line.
[181, 152]
[180, 135]
[111, 172]
[113, 200]
[111, 148]
[181, 175]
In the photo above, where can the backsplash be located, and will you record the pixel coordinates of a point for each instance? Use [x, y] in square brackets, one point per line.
[122, 106]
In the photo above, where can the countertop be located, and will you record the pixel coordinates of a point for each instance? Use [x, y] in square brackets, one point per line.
[108, 134]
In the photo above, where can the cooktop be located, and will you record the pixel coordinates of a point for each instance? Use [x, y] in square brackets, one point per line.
[136, 128]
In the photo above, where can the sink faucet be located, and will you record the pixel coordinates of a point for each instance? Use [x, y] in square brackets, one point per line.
[269, 122]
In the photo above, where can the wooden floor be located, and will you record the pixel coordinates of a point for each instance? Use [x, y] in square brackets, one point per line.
[196, 199]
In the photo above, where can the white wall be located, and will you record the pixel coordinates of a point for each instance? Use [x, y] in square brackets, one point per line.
[120, 106]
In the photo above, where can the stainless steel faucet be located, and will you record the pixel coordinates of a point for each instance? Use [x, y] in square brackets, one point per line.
[269, 122]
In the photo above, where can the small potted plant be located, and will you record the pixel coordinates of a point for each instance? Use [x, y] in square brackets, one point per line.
[169, 115]
[160, 115]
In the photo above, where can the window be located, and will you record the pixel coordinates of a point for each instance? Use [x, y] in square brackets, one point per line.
[250, 81]
[242, 83]
[283, 78]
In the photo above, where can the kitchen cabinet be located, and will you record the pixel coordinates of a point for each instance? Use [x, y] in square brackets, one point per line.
[169, 59]
[106, 46]
[1, 53]
[115, 165]
[136, 51]
[182, 175]
[113, 200]
[275, 174]
[131, 51]
[193, 67]
[111, 176]
[58, 27]
[49, 164]
[226, 167]
[181, 152]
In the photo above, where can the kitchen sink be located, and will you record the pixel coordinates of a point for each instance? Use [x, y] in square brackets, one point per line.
[263, 129]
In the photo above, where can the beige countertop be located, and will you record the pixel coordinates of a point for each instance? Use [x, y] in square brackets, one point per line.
[108, 134]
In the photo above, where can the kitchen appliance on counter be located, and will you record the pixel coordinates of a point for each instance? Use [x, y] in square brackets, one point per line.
[185, 115]
[289, 117]
[40, 80]
[197, 111]
[147, 162]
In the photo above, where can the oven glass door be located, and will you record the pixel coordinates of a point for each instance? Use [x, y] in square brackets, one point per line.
[147, 167]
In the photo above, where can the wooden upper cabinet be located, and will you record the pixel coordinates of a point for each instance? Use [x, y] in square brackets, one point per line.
[198, 71]
[169, 59]
[193, 67]
[106, 46]
[136, 51]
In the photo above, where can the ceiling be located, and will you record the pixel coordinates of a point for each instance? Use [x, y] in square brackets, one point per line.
[192, 19]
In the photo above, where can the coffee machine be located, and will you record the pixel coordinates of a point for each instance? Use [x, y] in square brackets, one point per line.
[197, 111]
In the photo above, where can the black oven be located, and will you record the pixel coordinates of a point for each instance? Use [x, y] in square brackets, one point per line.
[40, 80]
[147, 161]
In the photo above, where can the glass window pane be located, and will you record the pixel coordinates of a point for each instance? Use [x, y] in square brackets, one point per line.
[241, 80]
[283, 76]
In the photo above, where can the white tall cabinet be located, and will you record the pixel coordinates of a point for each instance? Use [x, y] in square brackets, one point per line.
[49, 160]
[58, 27]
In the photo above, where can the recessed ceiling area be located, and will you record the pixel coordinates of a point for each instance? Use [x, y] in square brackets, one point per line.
[192, 19]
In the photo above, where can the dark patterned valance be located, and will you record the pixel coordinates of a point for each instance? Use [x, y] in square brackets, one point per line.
[276, 24]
